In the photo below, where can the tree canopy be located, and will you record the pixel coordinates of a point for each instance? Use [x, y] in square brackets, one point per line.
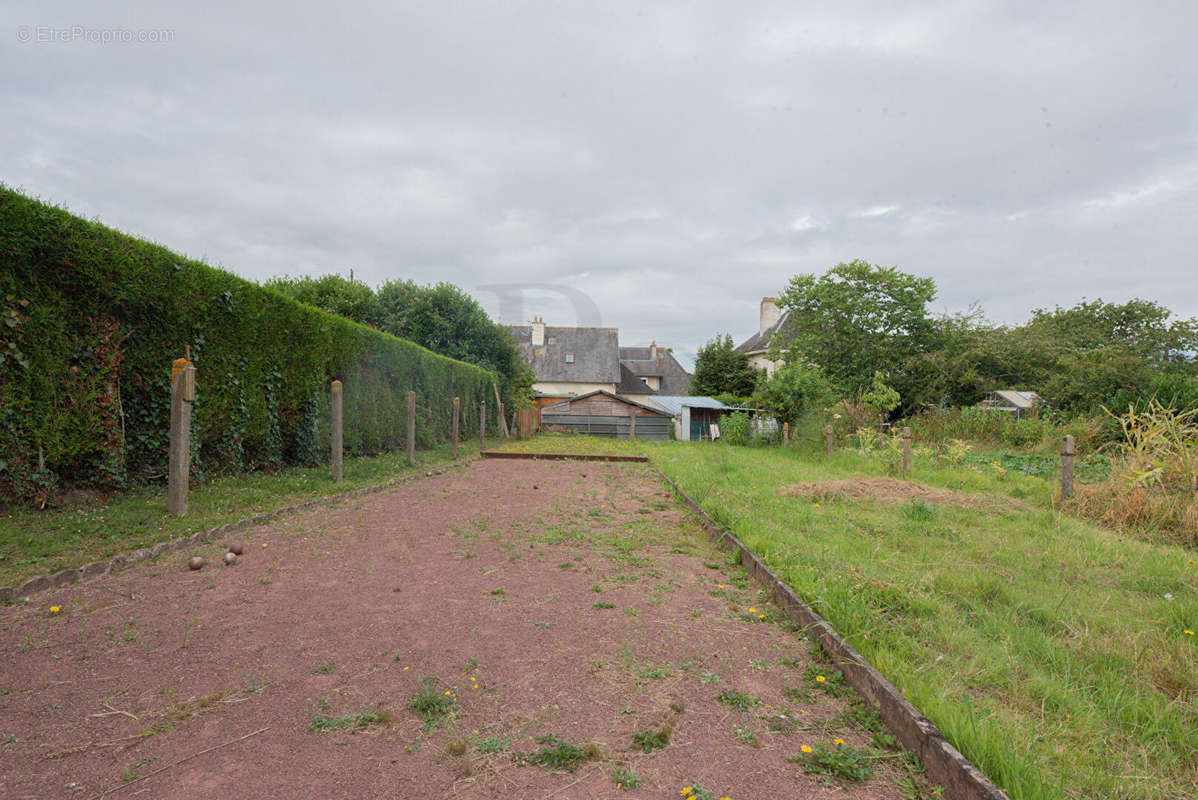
[856, 320]
[720, 369]
[440, 317]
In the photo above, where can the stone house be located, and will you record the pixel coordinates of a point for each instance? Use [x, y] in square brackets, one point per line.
[572, 361]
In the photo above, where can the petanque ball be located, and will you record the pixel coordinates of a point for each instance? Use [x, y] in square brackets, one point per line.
[195, 563]
[236, 548]
[230, 559]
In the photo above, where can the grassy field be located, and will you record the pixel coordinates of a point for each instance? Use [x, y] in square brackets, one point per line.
[1058, 656]
[36, 542]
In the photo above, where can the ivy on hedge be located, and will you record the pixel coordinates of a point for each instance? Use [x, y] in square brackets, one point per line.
[91, 318]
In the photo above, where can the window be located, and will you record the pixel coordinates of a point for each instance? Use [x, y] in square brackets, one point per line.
[569, 358]
[551, 340]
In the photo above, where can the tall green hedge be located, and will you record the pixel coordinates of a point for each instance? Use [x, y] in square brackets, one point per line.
[90, 320]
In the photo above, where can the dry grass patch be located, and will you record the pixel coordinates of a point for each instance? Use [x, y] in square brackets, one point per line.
[894, 491]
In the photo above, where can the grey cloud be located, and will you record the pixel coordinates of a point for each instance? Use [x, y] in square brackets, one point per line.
[675, 161]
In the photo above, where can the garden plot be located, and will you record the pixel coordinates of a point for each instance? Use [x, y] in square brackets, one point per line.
[510, 629]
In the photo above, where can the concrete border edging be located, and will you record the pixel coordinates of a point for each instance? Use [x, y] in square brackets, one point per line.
[65, 577]
[944, 764]
[562, 456]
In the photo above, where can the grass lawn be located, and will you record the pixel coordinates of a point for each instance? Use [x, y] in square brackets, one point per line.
[36, 542]
[1053, 653]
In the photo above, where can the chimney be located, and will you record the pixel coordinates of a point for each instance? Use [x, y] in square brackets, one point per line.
[538, 332]
[770, 313]
[652, 350]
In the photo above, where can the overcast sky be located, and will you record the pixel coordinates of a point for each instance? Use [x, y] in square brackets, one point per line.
[670, 162]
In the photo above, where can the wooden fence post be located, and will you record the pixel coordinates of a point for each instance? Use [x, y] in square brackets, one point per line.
[939, 450]
[338, 437]
[457, 409]
[183, 394]
[829, 439]
[1067, 454]
[906, 449]
[786, 431]
[482, 423]
[502, 421]
[411, 427]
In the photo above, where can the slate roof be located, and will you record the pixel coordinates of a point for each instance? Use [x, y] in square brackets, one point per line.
[630, 383]
[595, 350]
[760, 341]
[674, 377]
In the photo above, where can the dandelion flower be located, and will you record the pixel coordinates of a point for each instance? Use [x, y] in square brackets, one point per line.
[838, 741]
[752, 611]
[54, 609]
[805, 748]
[447, 692]
[815, 505]
[405, 669]
[820, 679]
[685, 791]
[761, 616]
[1188, 632]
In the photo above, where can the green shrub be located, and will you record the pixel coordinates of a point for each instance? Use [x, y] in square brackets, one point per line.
[735, 427]
[92, 319]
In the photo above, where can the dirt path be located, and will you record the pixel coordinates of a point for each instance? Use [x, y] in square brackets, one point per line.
[549, 599]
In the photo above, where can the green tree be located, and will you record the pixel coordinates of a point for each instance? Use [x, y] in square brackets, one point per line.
[337, 295]
[720, 369]
[881, 398]
[1140, 327]
[448, 321]
[858, 319]
[792, 391]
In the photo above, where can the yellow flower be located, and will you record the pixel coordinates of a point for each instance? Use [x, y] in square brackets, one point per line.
[805, 749]
[54, 609]
[1188, 632]
[761, 616]
[752, 611]
[852, 569]
[405, 669]
[838, 741]
[685, 791]
[816, 505]
[721, 586]
[447, 692]
[820, 679]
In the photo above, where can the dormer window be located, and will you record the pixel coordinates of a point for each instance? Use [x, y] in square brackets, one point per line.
[569, 358]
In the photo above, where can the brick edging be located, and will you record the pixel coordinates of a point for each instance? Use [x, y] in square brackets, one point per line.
[945, 765]
[66, 577]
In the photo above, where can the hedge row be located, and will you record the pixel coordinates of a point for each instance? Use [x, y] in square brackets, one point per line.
[90, 320]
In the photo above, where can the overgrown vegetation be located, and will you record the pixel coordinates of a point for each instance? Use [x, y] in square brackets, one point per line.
[92, 319]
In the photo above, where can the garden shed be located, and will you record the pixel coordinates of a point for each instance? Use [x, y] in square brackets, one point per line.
[601, 413]
[693, 416]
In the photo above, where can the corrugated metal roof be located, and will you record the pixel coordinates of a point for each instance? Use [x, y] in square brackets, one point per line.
[674, 403]
[1018, 399]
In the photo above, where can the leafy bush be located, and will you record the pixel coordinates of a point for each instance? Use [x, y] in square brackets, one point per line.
[734, 427]
[93, 318]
